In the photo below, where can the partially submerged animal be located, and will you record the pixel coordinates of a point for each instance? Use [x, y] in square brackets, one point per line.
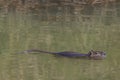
[96, 55]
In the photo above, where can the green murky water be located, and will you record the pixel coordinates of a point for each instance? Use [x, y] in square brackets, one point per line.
[19, 32]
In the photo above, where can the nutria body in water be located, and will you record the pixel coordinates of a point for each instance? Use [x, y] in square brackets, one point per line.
[96, 55]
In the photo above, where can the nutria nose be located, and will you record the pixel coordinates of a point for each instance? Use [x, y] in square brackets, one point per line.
[104, 54]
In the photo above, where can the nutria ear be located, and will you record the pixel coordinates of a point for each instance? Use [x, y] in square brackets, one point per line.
[91, 52]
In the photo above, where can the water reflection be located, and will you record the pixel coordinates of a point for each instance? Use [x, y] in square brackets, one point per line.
[59, 28]
[90, 14]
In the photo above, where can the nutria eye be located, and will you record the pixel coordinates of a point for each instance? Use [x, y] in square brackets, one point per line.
[96, 53]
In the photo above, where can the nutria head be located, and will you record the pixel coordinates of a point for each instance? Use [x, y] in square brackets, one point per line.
[97, 55]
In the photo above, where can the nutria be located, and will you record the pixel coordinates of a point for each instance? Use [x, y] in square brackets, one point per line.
[96, 55]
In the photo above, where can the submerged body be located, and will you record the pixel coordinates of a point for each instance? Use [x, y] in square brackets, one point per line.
[91, 54]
